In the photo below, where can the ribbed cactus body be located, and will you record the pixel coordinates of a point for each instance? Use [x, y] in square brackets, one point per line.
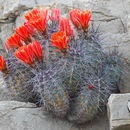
[53, 95]
[55, 98]
[16, 80]
[112, 71]
[87, 102]
[84, 107]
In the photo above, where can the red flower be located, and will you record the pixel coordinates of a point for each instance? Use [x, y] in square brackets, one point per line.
[31, 15]
[35, 14]
[43, 13]
[65, 27]
[29, 28]
[2, 64]
[23, 34]
[37, 19]
[55, 16]
[80, 19]
[24, 55]
[91, 87]
[13, 42]
[36, 50]
[60, 41]
[39, 24]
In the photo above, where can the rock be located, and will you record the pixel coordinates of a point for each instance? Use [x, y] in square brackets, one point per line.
[124, 85]
[118, 41]
[5, 94]
[45, 2]
[20, 19]
[119, 116]
[2, 48]
[1, 9]
[129, 105]
[26, 116]
[12, 8]
[6, 31]
[128, 25]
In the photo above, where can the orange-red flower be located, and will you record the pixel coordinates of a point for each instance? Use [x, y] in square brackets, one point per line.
[80, 19]
[35, 14]
[29, 28]
[65, 27]
[37, 19]
[44, 13]
[39, 24]
[55, 16]
[23, 34]
[2, 64]
[13, 42]
[24, 54]
[60, 41]
[31, 15]
[36, 50]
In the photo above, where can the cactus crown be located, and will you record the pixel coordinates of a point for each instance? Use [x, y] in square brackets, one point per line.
[64, 70]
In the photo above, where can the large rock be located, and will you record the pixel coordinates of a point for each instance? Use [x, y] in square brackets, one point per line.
[124, 85]
[129, 105]
[119, 115]
[6, 30]
[26, 116]
[20, 19]
[12, 8]
[21, 116]
[1, 9]
[128, 25]
[47, 2]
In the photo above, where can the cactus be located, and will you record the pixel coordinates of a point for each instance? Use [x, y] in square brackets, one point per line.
[75, 81]
[16, 80]
[53, 95]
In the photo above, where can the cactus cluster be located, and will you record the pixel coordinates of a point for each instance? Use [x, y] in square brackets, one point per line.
[74, 81]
